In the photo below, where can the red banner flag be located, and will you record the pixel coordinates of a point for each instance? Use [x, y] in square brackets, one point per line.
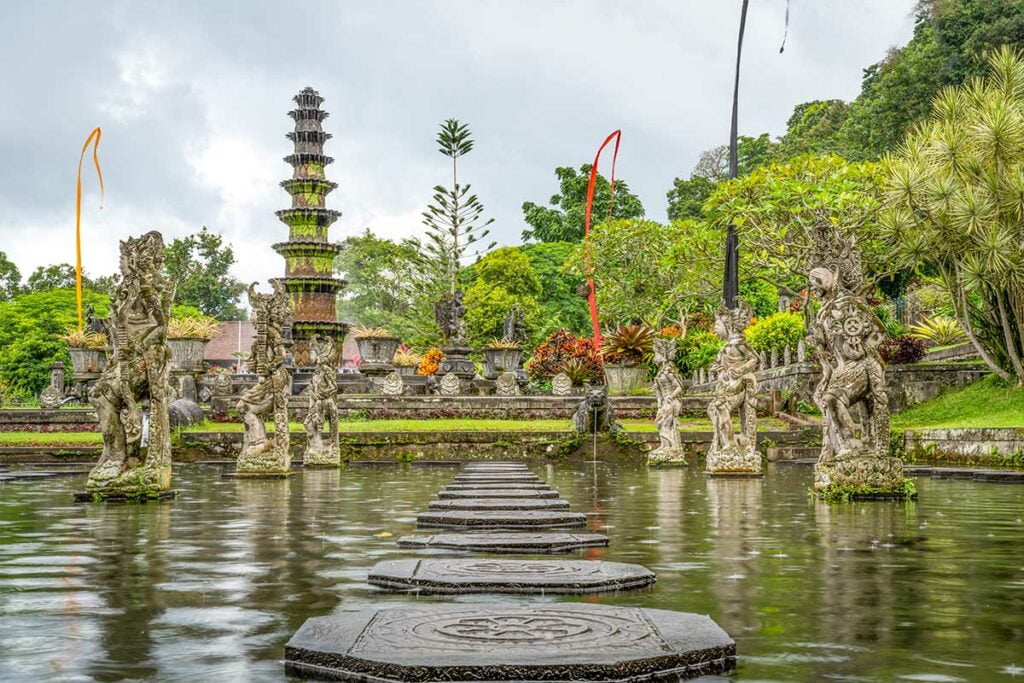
[592, 295]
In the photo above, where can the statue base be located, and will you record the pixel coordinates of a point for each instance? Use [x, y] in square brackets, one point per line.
[862, 477]
[456, 360]
[734, 462]
[110, 496]
[140, 483]
[262, 459]
[327, 457]
[667, 456]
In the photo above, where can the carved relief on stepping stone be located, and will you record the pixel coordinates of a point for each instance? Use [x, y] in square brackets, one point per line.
[495, 642]
[509, 576]
[498, 485]
[507, 542]
[499, 504]
[531, 519]
[498, 493]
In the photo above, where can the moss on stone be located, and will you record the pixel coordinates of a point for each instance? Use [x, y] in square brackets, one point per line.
[837, 493]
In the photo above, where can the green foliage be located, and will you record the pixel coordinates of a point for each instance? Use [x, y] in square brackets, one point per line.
[454, 219]
[200, 265]
[628, 344]
[697, 351]
[955, 198]
[10, 278]
[939, 330]
[30, 327]
[686, 197]
[989, 402]
[564, 220]
[43, 278]
[813, 128]
[559, 299]
[836, 493]
[504, 278]
[776, 332]
[762, 296]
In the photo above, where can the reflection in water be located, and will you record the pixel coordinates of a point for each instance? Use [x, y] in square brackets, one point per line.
[212, 585]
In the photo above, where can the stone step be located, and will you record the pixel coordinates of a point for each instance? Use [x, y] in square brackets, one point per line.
[498, 493]
[506, 542]
[498, 485]
[446, 576]
[499, 504]
[495, 478]
[498, 642]
[530, 519]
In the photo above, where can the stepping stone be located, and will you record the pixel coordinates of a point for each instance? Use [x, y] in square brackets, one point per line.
[498, 642]
[509, 576]
[497, 493]
[497, 479]
[514, 542]
[498, 485]
[493, 468]
[499, 504]
[494, 519]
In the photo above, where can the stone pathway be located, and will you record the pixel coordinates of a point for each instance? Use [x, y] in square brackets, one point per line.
[497, 642]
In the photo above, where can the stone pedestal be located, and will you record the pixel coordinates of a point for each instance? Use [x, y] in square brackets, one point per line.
[667, 456]
[456, 360]
[739, 461]
[864, 476]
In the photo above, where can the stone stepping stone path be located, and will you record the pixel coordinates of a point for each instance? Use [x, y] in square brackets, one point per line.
[499, 504]
[498, 493]
[507, 542]
[495, 642]
[509, 576]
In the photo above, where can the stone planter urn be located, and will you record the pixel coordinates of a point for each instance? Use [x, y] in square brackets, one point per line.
[187, 354]
[623, 379]
[405, 370]
[499, 360]
[87, 361]
[377, 350]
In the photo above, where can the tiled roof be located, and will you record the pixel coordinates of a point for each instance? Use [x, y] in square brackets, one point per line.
[234, 336]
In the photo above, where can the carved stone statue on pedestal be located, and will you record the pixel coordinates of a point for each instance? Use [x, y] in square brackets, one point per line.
[268, 360]
[853, 460]
[594, 413]
[136, 458]
[323, 405]
[732, 452]
[448, 313]
[668, 390]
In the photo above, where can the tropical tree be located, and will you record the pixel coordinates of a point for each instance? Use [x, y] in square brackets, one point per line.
[45, 278]
[10, 278]
[955, 197]
[560, 300]
[200, 265]
[564, 220]
[504, 278]
[454, 220]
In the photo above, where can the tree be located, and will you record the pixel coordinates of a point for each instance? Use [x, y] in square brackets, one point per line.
[647, 271]
[10, 278]
[45, 278]
[504, 278]
[200, 265]
[560, 300]
[455, 218]
[686, 197]
[386, 287]
[779, 208]
[564, 220]
[814, 128]
[955, 198]
[30, 326]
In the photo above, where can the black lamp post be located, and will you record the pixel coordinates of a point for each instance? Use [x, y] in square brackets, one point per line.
[731, 284]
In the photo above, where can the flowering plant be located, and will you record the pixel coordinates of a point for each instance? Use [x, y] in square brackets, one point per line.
[431, 362]
[562, 346]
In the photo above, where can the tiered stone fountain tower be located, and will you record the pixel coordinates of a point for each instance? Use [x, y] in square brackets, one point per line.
[309, 256]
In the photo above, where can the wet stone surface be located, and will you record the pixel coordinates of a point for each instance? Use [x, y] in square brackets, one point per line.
[499, 493]
[495, 642]
[497, 485]
[504, 542]
[499, 504]
[497, 519]
[509, 576]
[495, 477]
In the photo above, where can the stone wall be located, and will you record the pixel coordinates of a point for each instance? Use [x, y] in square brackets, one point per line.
[992, 446]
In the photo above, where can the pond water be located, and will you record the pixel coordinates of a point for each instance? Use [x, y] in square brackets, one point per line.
[212, 585]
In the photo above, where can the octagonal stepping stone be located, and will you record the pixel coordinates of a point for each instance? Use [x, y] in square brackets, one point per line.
[495, 466]
[496, 479]
[506, 542]
[498, 493]
[499, 504]
[496, 519]
[509, 576]
[498, 485]
[496, 642]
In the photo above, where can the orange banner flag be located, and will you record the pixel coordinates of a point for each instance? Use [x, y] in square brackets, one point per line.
[94, 138]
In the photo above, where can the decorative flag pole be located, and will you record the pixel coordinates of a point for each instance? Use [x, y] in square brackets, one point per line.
[94, 138]
[731, 284]
[592, 294]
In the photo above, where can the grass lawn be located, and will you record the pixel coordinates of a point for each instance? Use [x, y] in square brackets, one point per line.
[988, 402]
[50, 438]
[438, 425]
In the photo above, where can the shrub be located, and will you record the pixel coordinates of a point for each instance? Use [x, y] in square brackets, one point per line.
[628, 344]
[697, 351]
[902, 350]
[561, 346]
[371, 333]
[431, 362]
[939, 330]
[777, 331]
[84, 339]
[192, 328]
[763, 297]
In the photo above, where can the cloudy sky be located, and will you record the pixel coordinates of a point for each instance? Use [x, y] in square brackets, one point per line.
[193, 96]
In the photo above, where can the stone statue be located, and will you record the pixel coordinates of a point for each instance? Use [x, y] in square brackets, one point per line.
[561, 385]
[323, 404]
[136, 458]
[735, 387]
[268, 360]
[514, 329]
[668, 390]
[848, 334]
[94, 323]
[394, 385]
[594, 413]
[220, 395]
[52, 396]
[448, 313]
[507, 384]
[450, 385]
